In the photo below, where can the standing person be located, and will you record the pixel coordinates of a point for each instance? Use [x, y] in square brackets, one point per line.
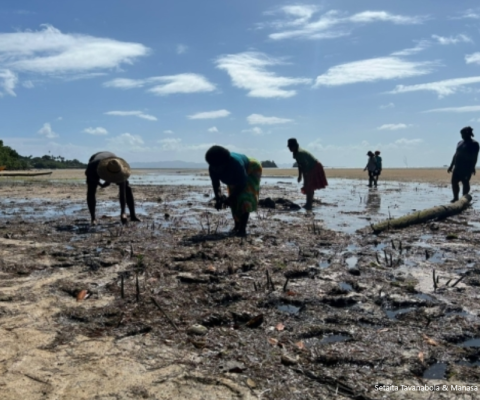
[111, 169]
[311, 169]
[372, 169]
[378, 160]
[464, 162]
[242, 176]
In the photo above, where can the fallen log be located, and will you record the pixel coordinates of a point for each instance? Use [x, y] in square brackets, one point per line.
[422, 216]
[25, 173]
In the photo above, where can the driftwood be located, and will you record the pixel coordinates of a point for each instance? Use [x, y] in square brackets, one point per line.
[25, 173]
[422, 216]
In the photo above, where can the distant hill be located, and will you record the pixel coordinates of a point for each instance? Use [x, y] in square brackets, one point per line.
[169, 164]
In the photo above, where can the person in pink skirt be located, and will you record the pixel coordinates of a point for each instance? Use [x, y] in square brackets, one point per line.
[310, 169]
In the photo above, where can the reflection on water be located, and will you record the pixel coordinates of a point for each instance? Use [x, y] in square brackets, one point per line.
[373, 201]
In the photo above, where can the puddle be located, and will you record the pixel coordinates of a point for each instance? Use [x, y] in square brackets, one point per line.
[426, 297]
[324, 264]
[345, 286]
[380, 246]
[469, 363]
[475, 342]
[288, 308]
[436, 371]
[351, 262]
[392, 314]
[436, 258]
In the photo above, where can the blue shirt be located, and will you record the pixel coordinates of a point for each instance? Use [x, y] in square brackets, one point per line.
[234, 173]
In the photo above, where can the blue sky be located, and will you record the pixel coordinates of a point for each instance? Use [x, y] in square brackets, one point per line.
[162, 80]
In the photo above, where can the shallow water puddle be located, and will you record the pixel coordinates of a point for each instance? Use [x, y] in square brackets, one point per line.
[288, 308]
[345, 286]
[426, 297]
[436, 371]
[392, 314]
[475, 342]
[351, 262]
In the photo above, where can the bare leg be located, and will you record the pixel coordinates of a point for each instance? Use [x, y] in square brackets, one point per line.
[91, 200]
[455, 188]
[131, 203]
[122, 197]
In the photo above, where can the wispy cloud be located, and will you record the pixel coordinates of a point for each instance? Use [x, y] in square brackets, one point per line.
[408, 142]
[8, 81]
[255, 131]
[166, 85]
[385, 106]
[464, 109]
[442, 88]
[249, 71]
[47, 131]
[96, 131]
[299, 22]
[372, 70]
[210, 114]
[49, 51]
[168, 132]
[170, 144]
[419, 47]
[469, 14]
[213, 129]
[127, 141]
[28, 84]
[392, 127]
[138, 114]
[452, 39]
[472, 58]
[259, 119]
[181, 49]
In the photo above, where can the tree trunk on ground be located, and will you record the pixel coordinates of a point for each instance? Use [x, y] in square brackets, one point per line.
[419, 217]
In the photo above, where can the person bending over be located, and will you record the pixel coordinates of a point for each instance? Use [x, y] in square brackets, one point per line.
[111, 169]
[463, 162]
[242, 176]
[310, 169]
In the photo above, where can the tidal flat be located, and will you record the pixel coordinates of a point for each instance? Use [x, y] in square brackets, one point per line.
[309, 305]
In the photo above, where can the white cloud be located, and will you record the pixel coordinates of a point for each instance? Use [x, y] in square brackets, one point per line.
[47, 131]
[165, 85]
[168, 132]
[49, 51]
[299, 22]
[372, 70]
[248, 71]
[385, 106]
[259, 119]
[255, 130]
[213, 129]
[452, 39]
[28, 84]
[127, 142]
[181, 49]
[442, 88]
[472, 58]
[8, 81]
[170, 144]
[420, 46]
[138, 114]
[210, 114]
[96, 131]
[392, 127]
[464, 109]
[469, 14]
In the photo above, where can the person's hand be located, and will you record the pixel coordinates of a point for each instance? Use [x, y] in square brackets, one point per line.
[364, 169]
[228, 201]
[104, 185]
[299, 179]
[218, 204]
[449, 169]
[473, 172]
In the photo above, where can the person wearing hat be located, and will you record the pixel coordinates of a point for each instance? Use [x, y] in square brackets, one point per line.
[372, 169]
[464, 162]
[111, 169]
[242, 176]
[310, 169]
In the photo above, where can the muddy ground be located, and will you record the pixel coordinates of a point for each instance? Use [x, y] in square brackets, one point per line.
[304, 308]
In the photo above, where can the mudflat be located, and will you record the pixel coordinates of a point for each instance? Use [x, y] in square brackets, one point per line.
[309, 305]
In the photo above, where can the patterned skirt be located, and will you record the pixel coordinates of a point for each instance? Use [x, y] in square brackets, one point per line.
[314, 179]
[247, 201]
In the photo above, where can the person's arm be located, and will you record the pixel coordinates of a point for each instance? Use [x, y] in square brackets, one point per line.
[475, 158]
[122, 196]
[103, 185]
[452, 164]
[91, 198]
[216, 189]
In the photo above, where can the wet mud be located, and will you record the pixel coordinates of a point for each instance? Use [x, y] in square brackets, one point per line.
[308, 305]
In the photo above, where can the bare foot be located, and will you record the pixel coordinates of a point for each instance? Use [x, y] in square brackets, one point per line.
[123, 218]
[94, 222]
[135, 219]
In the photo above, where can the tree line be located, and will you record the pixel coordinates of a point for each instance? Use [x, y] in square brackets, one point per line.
[11, 160]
